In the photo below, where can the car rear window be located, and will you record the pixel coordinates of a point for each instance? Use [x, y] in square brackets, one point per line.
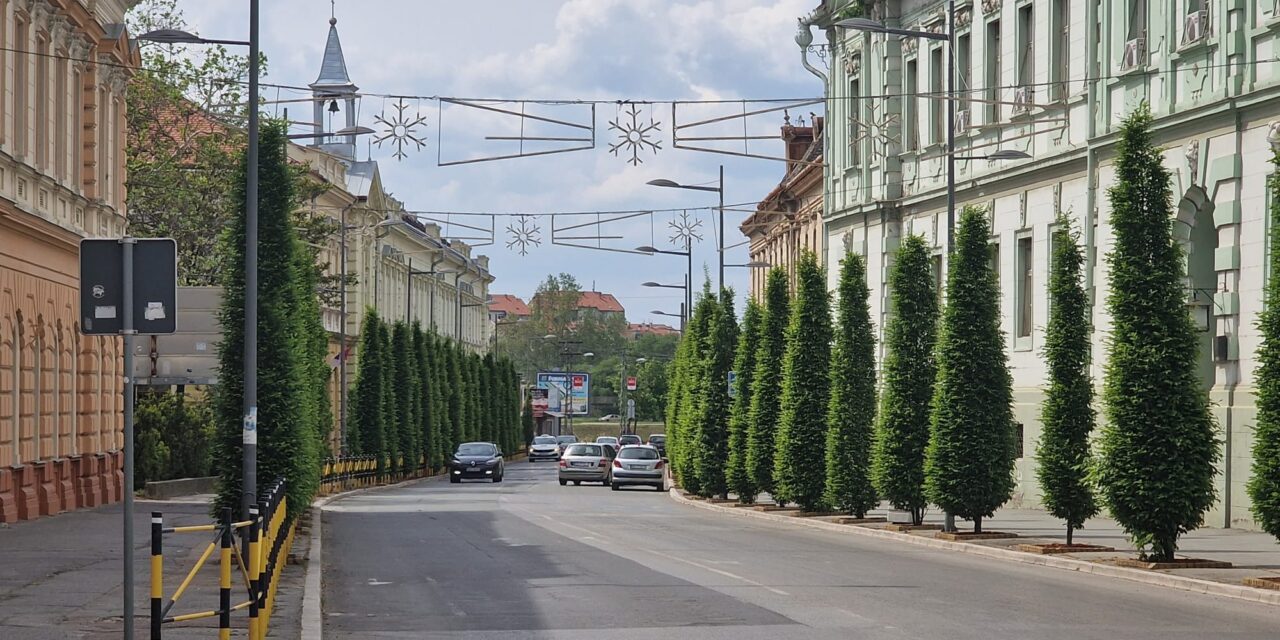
[584, 450]
[657, 438]
[629, 439]
[544, 440]
[638, 453]
[567, 439]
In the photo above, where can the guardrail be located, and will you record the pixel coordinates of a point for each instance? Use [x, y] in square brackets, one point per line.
[265, 543]
[349, 472]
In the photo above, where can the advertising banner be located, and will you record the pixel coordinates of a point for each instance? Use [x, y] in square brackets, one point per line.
[566, 389]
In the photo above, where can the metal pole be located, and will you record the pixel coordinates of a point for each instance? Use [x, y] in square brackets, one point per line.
[249, 488]
[950, 518]
[721, 208]
[408, 292]
[688, 273]
[342, 338]
[457, 292]
[129, 332]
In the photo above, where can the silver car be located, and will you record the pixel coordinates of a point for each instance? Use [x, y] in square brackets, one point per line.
[609, 440]
[544, 447]
[584, 462]
[638, 464]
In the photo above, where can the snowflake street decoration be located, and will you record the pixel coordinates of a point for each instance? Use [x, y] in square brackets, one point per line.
[524, 232]
[874, 127]
[685, 229]
[399, 130]
[633, 135]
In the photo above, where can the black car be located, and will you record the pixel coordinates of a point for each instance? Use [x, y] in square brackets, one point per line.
[477, 460]
[659, 442]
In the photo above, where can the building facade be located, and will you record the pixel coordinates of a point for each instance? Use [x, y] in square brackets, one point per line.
[64, 65]
[1023, 84]
[788, 221]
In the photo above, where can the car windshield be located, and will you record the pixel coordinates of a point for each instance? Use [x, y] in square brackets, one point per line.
[475, 450]
[657, 438]
[544, 440]
[585, 450]
[638, 453]
[567, 439]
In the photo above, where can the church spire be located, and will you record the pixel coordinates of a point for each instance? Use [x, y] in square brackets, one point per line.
[331, 87]
[333, 66]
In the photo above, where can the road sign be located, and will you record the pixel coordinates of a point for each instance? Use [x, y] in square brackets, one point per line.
[631, 408]
[102, 286]
[631, 383]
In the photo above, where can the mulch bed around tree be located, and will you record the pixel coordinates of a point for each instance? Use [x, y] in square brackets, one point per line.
[904, 527]
[853, 520]
[962, 536]
[720, 500]
[815, 514]
[774, 507]
[1178, 563]
[1264, 583]
[746, 505]
[1058, 547]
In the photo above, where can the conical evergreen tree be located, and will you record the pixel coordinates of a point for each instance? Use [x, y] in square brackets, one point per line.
[968, 466]
[527, 424]
[454, 431]
[744, 365]
[1264, 486]
[1158, 450]
[365, 430]
[426, 403]
[407, 387]
[684, 464]
[766, 382]
[806, 388]
[391, 443]
[316, 370]
[441, 434]
[1063, 454]
[902, 425]
[852, 410]
[713, 417]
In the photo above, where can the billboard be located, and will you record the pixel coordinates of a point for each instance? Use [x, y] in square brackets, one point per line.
[538, 402]
[560, 383]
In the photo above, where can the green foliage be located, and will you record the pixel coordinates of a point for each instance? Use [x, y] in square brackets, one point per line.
[1159, 448]
[1063, 454]
[685, 433]
[766, 382]
[802, 429]
[428, 445]
[286, 423]
[527, 425]
[366, 432]
[969, 462]
[714, 403]
[172, 436]
[454, 428]
[902, 426]
[1264, 485]
[390, 452]
[404, 388]
[852, 409]
[744, 364]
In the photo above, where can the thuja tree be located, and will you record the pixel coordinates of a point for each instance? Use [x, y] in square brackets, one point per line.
[744, 364]
[713, 419]
[1264, 486]
[527, 425]
[969, 462]
[452, 431]
[1158, 449]
[365, 431]
[674, 412]
[285, 442]
[439, 390]
[426, 396]
[1066, 416]
[852, 408]
[391, 443]
[802, 428]
[694, 389]
[766, 382]
[315, 362]
[902, 425]
[407, 386]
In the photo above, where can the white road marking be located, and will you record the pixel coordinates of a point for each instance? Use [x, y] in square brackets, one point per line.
[374, 582]
[719, 571]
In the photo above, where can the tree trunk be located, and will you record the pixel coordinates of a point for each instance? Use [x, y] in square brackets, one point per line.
[1070, 530]
[977, 524]
[917, 516]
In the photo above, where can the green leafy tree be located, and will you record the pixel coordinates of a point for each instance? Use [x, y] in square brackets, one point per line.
[1067, 416]
[852, 408]
[1158, 450]
[968, 466]
[713, 410]
[1264, 485]
[766, 382]
[902, 425]
[744, 365]
[285, 443]
[806, 390]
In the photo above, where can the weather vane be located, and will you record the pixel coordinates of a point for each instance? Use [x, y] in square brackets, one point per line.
[633, 135]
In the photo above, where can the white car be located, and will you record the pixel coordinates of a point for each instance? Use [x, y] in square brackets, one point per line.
[613, 417]
[544, 448]
[609, 440]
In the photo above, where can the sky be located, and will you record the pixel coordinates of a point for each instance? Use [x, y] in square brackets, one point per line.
[609, 50]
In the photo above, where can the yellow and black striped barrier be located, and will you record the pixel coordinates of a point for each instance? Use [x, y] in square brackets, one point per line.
[265, 542]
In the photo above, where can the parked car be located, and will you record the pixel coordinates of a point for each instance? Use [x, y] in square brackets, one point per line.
[659, 442]
[629, 439]
[607, 440]
[638, 464]
[482, 460]
[544, 448]
[611, 417]
[583, 462]
[562, 442]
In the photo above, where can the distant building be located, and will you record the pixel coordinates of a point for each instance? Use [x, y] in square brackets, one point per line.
[504, 307]
[604, 305]
[635, 330]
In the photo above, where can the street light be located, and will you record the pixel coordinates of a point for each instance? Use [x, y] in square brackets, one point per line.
[672, 184]
[754, 264]
[688, 255]
[345, 131]
[684, 287]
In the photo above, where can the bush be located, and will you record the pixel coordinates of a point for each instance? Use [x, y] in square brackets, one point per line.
[172, 437]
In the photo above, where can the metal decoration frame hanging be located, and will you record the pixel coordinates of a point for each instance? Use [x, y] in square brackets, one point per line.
[685, 229]
[525, 231]
[399, 129]
[579, 136]
[634, 136]
[681, 139]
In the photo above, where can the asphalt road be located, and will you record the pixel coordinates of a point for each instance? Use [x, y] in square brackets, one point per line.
[528, 558]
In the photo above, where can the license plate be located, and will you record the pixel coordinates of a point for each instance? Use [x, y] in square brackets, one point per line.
[583, 464]
[637, 467]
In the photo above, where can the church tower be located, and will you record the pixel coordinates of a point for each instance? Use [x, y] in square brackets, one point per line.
[331, 87]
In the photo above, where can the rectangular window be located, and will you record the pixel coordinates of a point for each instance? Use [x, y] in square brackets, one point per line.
[20, 62]
[1137, 19]
[60, 121]
[993, 261]
[937, 107]
[77, 130]
[1026, 51]
[1060, 51]
[993, 70]
[964, 53]
[856, 132]
[939, 278]
[910, 121]
[1026, 292]
[42, 103]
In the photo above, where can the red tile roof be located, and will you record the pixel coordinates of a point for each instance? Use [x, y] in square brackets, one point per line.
[511, 305]
[602, 302]
[650, 328]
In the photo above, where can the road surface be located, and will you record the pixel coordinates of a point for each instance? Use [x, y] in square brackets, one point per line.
[528, 558]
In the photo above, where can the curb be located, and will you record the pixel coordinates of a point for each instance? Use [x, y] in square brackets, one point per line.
[1196, 585]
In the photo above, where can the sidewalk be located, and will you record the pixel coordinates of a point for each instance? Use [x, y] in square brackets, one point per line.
[61, 576]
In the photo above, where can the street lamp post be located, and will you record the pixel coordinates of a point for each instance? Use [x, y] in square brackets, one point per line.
[688, 277]
[684, 287]
[671, 184]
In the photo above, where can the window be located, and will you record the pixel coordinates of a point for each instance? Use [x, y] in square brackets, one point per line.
[1060, 49]
[60, 121]
[855, 136]
[1025, 292]
[20, 88]
[964, 52]
[993, 261]
[42, 103]
[939, 280]
[994, 75]
[1026, 45]
[911, 122]
[1137, 19]
[937, 107]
